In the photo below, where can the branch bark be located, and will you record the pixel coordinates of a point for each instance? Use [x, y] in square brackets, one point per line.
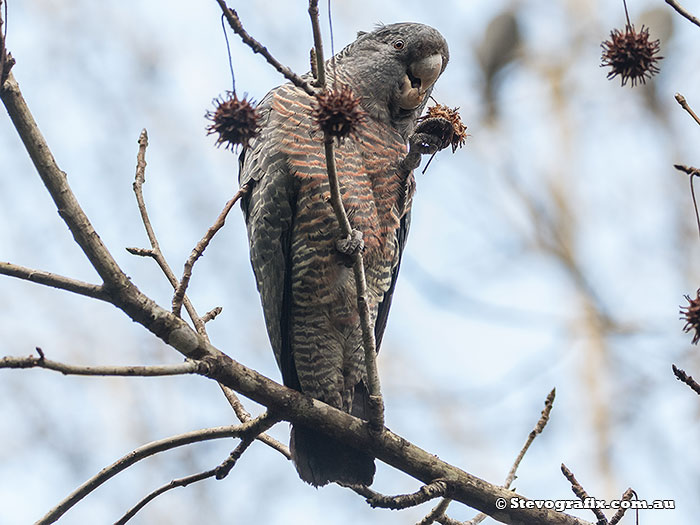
[188, 367]
[155, 251]
[181, 482]
[201, 246]
[257, 47]
[255, 429]
[687, 379]
[54, 280]
[684, 104]
[683, 12]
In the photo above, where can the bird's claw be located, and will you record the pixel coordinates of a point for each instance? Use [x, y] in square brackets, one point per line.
[431, 135]
[352, 244]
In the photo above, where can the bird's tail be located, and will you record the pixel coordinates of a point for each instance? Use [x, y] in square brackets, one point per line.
[320, 459]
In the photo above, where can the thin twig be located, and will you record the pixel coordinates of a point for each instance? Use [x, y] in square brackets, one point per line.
[188, 367]
[437, 512]
[621, 512]
[684, 104]
[318, 46]
[211, 314]
[54, 280]
[6, 60]
[182, 482]
[695, 202]
[687, 379]
[376, 404]
[539, 427]
[433, 490]
[257, 47]
[155, 251]
[683, 12]
[199, 323]
[3, 33]
[627, 15]
[691, 172]
[446, 520]
[244, 416]
[136, 455]
[580, 492]
[259, 425]
[201, 246]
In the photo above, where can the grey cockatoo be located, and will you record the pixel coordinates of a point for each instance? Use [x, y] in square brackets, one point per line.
[306, 285]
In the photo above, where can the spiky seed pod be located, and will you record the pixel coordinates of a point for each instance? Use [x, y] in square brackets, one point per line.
[338, 111]
[691, 315]
[631, 55]
[234, 121]
[459, 130]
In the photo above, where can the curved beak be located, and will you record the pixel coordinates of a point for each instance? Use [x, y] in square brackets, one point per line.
[419, 78]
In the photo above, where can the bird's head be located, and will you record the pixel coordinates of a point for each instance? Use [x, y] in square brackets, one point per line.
[393, 70]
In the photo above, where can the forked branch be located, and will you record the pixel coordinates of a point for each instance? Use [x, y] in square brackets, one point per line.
[137, 455]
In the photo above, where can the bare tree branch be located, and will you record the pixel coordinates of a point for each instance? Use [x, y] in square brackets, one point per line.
[318, 62]
[621, 512]
[6, 60]
[244, 416]
[182, 482]
[54, 280]
[427, 492]
[201, 246]
[376, 404]
[682, 11]
[138, 454]
[211, 314]
[257, 47]
[155, 251]
[188, 367]
[55, 181]
[581, 493]
[539, 427]
[687, 379]
[439, 511]
[259, 425]
[684, 104]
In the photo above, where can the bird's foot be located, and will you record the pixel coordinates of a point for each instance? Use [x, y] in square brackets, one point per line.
[431, 135]
[352, 244]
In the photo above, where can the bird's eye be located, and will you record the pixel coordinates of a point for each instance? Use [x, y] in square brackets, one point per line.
[399, 44]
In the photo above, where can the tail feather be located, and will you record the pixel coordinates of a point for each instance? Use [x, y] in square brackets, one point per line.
[320, 459]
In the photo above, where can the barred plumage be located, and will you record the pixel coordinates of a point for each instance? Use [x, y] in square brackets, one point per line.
[306, 286]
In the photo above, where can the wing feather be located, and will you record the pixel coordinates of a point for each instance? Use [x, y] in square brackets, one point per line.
[269, 210]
